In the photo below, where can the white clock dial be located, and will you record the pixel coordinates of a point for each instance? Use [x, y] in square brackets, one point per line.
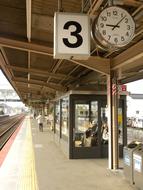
[115, 26]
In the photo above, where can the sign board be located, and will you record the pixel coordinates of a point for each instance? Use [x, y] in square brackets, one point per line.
[71, 36]
[137, 162]
[122, 89]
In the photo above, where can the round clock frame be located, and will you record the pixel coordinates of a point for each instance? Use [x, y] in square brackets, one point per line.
[114, 28]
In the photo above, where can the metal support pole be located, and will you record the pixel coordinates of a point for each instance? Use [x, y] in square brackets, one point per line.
[112, 102]
[82, 6]
[60, 9]
[109, 105]
[115, 124]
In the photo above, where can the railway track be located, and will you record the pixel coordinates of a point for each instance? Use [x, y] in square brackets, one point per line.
[8, 125]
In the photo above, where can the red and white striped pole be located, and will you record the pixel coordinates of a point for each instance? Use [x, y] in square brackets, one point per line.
[115, 124]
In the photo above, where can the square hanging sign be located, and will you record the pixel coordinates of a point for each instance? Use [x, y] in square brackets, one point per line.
[71, 36]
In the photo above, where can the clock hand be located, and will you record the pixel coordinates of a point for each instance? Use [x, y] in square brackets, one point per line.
[112, 25]
[118, 23]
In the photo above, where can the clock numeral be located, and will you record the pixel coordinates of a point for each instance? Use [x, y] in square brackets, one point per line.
[116, 40]
[104, 18]
[104, 32]
[115, 13]
[101, 25]
[127, 34]
[122, 38]
[108, 13]
[126, 20]
[122, 15]
[109, 37]
[128, 27]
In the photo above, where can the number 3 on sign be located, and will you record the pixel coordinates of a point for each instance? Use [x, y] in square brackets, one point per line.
[71, 36]
[75, 33]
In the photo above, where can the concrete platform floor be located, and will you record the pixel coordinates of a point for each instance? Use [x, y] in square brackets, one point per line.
[56, 172]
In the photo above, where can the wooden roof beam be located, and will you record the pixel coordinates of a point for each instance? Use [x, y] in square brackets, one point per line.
[28, 24]
[26, 46]
[54, 70]
[17, 81]
[28, 19]
[51, 86]
[131, 78]
[95, 63]
[39, 72]
[132, 54]
[36, 91]
[133, 3]
[95, 6]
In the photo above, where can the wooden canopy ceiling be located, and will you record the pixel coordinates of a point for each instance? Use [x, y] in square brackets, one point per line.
[26, 44]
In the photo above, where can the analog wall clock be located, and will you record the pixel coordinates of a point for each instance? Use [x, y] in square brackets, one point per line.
[113, 28]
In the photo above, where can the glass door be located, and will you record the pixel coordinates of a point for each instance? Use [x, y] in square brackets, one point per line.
[81, 123]
[85, 130]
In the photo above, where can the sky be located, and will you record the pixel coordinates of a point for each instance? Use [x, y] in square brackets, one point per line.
[4, 84]
[135, 87]
[135, 105]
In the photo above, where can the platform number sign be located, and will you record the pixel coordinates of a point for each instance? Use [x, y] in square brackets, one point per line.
[71, 36]
[76, 34]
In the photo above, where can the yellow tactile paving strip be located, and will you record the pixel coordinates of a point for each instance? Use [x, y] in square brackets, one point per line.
[27, 176]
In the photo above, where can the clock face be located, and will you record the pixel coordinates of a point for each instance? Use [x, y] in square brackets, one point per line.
[115, 26]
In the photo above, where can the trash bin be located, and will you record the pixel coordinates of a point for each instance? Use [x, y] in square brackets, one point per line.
[128, 160]
[138, 167]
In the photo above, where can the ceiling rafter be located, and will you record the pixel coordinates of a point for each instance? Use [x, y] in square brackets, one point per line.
[130, 55]
[54, 69]
[91, 77]
[94, 7]
[35, 90]
[131, 78]
[42, 22]
[78, 78]
[28, 19]
[52, 86]
[34, 95]
[18, 82]
[38, 72]
[26, 46]
[133, 3]
[67, 77]
[95, 63]
[28, 24]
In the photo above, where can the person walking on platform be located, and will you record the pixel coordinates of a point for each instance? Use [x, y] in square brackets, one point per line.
[40, 119]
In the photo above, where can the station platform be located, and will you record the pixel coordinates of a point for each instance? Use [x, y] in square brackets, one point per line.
[35, 162]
